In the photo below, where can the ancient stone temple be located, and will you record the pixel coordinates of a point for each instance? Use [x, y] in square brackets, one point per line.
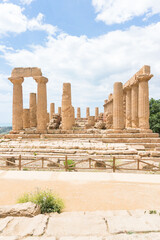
[126, 109]
[130, 107]
[39, 108]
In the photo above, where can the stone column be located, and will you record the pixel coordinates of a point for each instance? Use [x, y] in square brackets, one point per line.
[143, 104]
[96, 113]
[118, 114]
[33, 110]
[41, 103]
[128, 107]
[26, 118]
[78, 112]
[48, 118]
[52, 110]
[59, 111]
[87, 112]
[17, 111]
[67, 109]
[134, 103]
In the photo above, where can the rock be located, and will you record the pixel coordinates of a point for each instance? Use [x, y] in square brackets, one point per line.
[100, 125]
[109, 121]
[21, 209]
[11, 161]
[100, 164]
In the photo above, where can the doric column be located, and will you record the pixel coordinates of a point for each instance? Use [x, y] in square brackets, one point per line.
[67, 109]
[78, 112]
[118, 114]
[33, 110]
[52, 110]
[128, 107]
[41, 103]
[96, 113]
[26, 118]
[143, 103]
[17, 111]
[48, 115]
[134, 103]
[87, 112]
[59, 110]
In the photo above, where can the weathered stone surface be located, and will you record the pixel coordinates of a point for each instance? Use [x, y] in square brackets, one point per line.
[109, 121]
[118, 114]
[41, 103]
[76, 223]
[4, 222]
[87, 112]
[67, 109]
[26, 72]
[52, 110]
[100, 125]
[33, 110]
[17, 110]
[22, 209]
[81, 238]
[133, 236]
[23, 226]
[26, 118]
[146, 223]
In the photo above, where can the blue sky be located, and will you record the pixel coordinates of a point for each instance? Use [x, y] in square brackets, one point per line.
[90, 43]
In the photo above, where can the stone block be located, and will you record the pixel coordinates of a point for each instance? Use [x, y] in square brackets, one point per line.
[22, 209]
[26, 72]
[76, 224]
[119, 224]
[24, 226]
[133, 236]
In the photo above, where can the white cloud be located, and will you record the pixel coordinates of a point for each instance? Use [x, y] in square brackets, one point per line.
[27, 2]
[93, 65]
[119, 11]
[13, 20]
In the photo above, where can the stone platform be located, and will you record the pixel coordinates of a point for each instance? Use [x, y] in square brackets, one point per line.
[100, 225]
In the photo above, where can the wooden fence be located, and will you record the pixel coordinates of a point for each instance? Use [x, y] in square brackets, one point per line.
[112, 164]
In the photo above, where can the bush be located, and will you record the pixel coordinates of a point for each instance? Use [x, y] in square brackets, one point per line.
[47, 201]
[71, 164]
[154, 119]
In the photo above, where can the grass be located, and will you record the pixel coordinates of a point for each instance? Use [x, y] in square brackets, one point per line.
[47, 200]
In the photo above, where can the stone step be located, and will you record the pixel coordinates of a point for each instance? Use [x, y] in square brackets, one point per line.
[131, 140]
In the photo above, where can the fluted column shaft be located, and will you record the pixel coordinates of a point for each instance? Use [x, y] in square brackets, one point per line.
[59, 110]
[17, 110]
[118, 114]
[128, 108]
[41, 103]
[52, 110]
[26, 118]
[33, 110]
[96, 112]
[87, 112]
[134, 103]
[78, 112]
[143, 104]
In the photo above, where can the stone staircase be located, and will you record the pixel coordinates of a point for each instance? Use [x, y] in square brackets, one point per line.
[99, 145]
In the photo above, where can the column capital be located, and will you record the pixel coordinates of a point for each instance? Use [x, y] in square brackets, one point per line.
[41, 79]
[16, 80]
[144, 77]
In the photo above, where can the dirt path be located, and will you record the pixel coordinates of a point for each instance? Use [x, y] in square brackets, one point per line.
[88, 196]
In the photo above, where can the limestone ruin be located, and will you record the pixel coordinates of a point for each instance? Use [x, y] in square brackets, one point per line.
[126, 108]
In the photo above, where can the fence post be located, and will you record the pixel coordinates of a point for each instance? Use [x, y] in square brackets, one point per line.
[66, 163]
[20, 162]
[89, 162]
[42, 162]
[114, 164]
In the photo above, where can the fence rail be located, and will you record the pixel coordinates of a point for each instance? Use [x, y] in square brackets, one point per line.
[89, 163]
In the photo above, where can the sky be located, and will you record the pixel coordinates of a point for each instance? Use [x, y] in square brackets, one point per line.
[89, 43]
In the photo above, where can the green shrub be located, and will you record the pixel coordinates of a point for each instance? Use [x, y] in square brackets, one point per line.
[71, 164]
[47, 201]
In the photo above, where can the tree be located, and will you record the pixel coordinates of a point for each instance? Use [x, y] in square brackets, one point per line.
[154, 119]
